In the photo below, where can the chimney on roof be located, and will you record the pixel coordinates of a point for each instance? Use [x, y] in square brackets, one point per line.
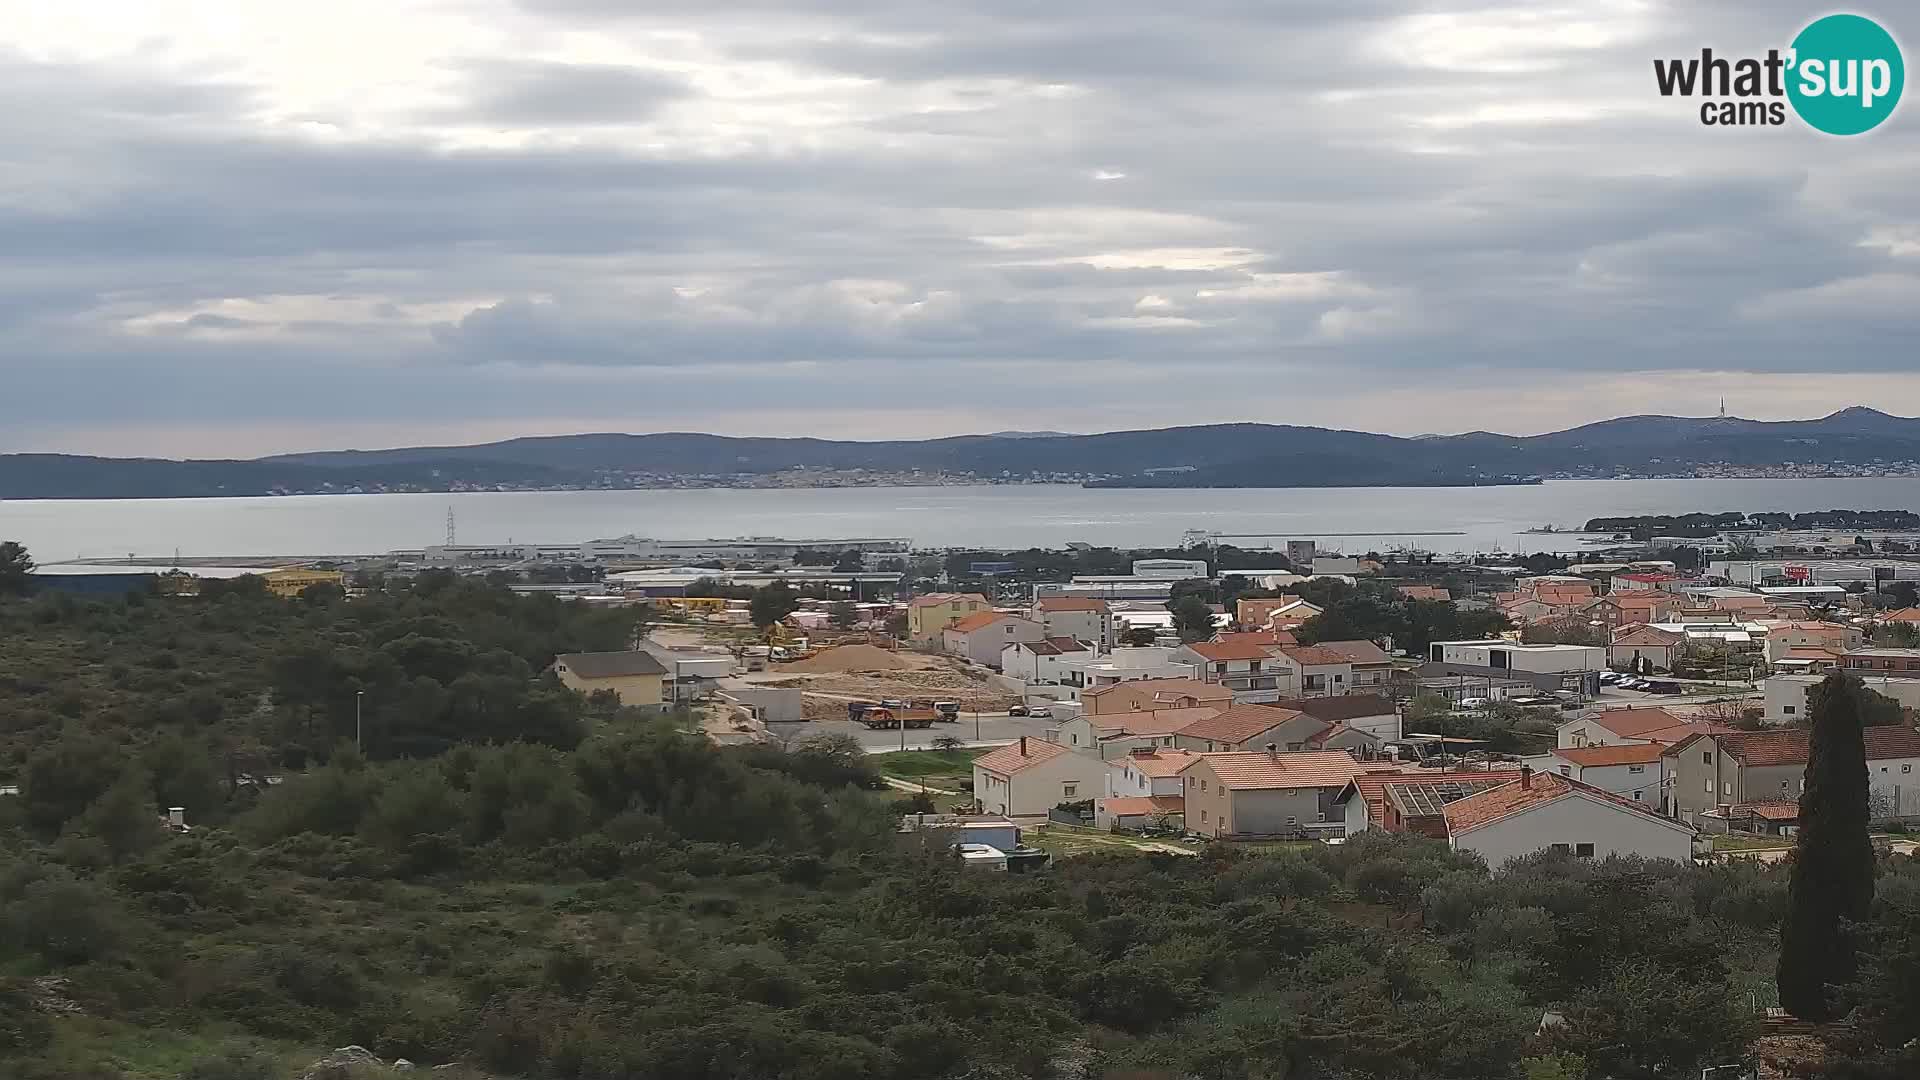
[1526, 776]
[1273, 751]
[1023, 746]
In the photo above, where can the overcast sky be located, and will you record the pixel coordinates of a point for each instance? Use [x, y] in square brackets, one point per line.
[239, 228]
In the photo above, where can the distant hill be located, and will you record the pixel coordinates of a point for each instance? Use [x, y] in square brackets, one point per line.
[1214, 455]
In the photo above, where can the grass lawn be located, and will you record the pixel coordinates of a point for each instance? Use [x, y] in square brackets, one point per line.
[935, 768]
[1065, 840]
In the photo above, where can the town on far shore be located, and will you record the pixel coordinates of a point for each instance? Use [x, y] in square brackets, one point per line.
[1642, 695]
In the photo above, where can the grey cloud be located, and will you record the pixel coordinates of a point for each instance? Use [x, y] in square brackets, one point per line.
[547, 93]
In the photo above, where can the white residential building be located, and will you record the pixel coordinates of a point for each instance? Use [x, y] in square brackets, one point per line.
[1549, 811]
[984, 636]
[1131, 664]
[1082, 618]
[1031, 777]
[1498, 653]
[1632, 770]
[1055, 661]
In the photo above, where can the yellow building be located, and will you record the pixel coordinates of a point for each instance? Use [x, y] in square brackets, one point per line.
[291, 580]
[929, 615]
[635, 676]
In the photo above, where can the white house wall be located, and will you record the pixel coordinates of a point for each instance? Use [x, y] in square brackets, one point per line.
[1574, 820]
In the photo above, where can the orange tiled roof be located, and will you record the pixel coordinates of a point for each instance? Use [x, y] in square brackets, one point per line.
[1315, 655]
[1238, 724]
[1646, 635]
[1905, 615]
[1259, 771]
[1024, 754]
[1630, 754]
[1425, 592]
[1357, 652]
[979, 620]
[1789, 746]
[1164, 761]
[1141, 805]
[1633, 723]
[1771, 809]
[1493, 804]
[1150, 721]
[1232, 650]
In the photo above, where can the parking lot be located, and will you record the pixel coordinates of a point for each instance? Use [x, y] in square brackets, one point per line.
[972, 728]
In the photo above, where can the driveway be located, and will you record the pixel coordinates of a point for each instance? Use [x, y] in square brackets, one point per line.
[991, 729]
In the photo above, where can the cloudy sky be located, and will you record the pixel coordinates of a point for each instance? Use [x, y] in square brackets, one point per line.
[229, 229]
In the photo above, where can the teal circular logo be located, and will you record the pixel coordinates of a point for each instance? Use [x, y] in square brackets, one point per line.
[1846, 74]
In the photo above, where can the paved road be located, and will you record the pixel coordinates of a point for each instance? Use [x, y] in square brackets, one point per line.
[992, 729]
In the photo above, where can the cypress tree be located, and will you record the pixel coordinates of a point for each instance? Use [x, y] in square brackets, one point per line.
[1831, 886]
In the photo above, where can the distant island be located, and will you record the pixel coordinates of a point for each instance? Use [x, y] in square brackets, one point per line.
[1702, 524]
[1851, 442]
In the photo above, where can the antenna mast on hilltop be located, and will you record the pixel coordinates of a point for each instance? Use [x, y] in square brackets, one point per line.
[449, 526]
[1723, 408]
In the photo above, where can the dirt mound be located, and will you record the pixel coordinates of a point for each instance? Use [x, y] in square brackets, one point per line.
[845, 658]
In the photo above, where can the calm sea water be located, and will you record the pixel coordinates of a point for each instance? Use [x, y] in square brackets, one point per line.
[1489, 519]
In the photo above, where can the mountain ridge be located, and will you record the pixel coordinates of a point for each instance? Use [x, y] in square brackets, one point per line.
[1236, 454]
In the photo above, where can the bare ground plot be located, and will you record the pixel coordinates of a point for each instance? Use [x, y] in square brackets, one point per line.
[826, 693]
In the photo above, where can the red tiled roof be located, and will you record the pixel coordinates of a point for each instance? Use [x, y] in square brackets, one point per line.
[1164, 761]
[1373, 785]
[1161, 691]
[1493, 804]
[1232, 650]
[1150, 721]
[1633, 723]
[1771, 810]
[1256, 637]
[1143, 805]
[979, 620]
[1630, 754]
[1790, 746]
[1905, 615]
[1023, 754]
[1238, 724]
[1811, 652]
[1314, 655]
[1357, 652]
[1069, 603]
[1425, 592]
[1256, 771]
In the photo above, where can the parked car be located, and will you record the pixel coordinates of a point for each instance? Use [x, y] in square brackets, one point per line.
[1609, 677]
[1040, 711]
[1017, 710]
[1474, 703]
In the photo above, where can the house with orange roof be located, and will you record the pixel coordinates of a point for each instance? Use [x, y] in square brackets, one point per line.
[928, 615]
[1424, 592]
[1146, 695]
[1641, 648]
[984, 636]
[1258, 727]
[1319, 670]
[1369, 665]
[1262, 613]
[1910, 616]
[1547, 811]
[1410, 801]
[1728, 768]
[1811, 634]
[1637, 725]
[1371, 713]
[1267, 794]
[1645, 607]
[1111, 736]
[1630, 770]
[1030, 777]
[1251, 670]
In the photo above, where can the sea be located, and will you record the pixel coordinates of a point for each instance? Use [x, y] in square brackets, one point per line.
[1481, 520]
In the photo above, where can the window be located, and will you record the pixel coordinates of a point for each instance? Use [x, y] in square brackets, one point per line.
[1631, 769]
[1221, 667]
[1566, 770]
[1637, 796]
[1293, 823]
[1788, 709]
[1783, 785]
[1706, 757]
[1584, 851]
[1562, 848]
[1707, 786]
[1727, 788]
[1906, 768]
[1339, 678]
[1203, 817]
[1068, 789]
[1203, 785]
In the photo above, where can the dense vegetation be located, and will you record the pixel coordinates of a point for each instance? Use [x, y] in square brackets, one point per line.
[1704, 524]
[1375, 611]
[542, 886]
